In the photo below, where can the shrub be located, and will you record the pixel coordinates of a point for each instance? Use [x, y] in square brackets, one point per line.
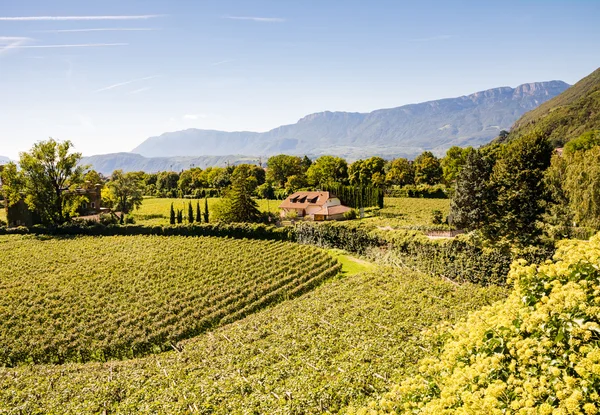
[437, 217]
[538, 352]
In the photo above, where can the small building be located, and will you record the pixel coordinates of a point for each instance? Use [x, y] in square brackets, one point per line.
[318, 206]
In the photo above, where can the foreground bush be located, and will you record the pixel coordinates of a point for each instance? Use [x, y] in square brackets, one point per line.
[538, 352]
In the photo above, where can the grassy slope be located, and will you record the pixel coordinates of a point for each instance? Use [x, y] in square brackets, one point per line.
[344, 342]
[566, 116]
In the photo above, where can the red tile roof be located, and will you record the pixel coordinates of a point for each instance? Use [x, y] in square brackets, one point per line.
[301, 200]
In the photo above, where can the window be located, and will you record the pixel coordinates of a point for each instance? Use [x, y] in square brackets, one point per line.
[93, 205]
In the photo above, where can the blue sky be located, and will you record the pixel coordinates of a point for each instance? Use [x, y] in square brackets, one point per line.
[108, 74]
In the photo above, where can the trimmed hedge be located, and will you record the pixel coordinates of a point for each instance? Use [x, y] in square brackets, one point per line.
[460, 259]
[235, 230]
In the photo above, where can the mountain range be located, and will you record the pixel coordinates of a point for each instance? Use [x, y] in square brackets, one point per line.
[4, 160]
[403, 131]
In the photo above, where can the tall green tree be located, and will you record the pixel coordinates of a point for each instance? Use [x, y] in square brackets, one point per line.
[198, 212]
[125, 191]
[327, 170]
[190, 215]
[469, 206]
[172, 215]
[453, 162]
[366, 172]
[238, 204]
[282, 166]
[400, 172]
[206, 215]
[48, 175]
[518, 187]
[427, 169]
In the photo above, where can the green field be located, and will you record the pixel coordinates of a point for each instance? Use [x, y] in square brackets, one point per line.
[95, 298]
[343, 343]
[403, 212]
[155, 211]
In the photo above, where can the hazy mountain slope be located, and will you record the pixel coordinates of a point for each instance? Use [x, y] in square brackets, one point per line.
[107, 163]
[4, 160]
[566, 116]
[408, 130]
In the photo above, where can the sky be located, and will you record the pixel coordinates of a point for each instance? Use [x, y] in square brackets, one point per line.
[109, 74]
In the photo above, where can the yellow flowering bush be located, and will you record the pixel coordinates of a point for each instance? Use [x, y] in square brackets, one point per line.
[537, 352]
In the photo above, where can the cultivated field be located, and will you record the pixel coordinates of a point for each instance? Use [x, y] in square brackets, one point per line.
[343, 343]
[97, 298]
[403, 212]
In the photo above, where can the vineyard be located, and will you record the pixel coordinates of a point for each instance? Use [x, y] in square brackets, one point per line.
[342, 343]
[98, 298]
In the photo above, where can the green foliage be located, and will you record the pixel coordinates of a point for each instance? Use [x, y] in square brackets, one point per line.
[582, 186]
[401, 172]
[125, 191]
[437, 217]
[82, 300]
[584, 142]
[427, 191]
[357, 196]
[190, 213]
[327, 170]
[470, 204]
[179, 216]
[369, 172]
[46, 175]
[238, 204]
[567, 116]
[518, 190]
[537, 352]
[313, 354]
[198, 213]
[172, 215]
[206, 214]
[282, 167]
[453, 162]
[427, 169]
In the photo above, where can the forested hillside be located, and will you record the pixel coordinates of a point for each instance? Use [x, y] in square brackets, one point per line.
[567, 116]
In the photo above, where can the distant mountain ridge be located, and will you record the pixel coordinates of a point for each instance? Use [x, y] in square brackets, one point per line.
[403, 131]
[107, 163]
[4, 160]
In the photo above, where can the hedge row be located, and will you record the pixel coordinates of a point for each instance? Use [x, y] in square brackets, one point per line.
[459, 259]
[236, 230]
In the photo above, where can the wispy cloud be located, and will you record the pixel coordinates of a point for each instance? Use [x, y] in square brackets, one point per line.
[221, 62]
[66, 18]
[137, 91]
[8, 43]
[432, 38]
[117, 85]
[76, 45]
[257, 19]
[103, 29]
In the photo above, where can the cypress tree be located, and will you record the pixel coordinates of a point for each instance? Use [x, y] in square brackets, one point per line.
[206, 210]
[190, 217]
[179, 216]
[172, 216]
[198, 213]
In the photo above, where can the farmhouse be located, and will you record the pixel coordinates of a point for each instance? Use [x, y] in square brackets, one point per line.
[318, 206]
